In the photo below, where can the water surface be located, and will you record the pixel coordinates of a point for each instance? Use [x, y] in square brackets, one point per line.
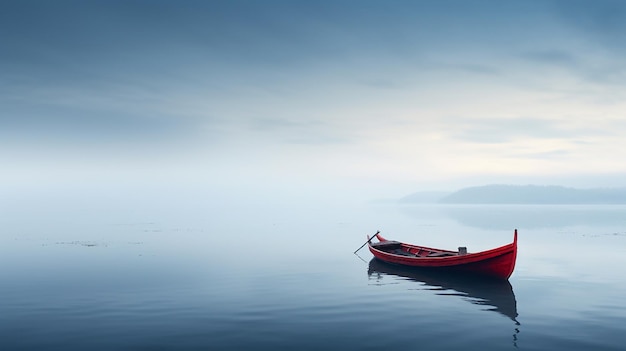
[252, 277]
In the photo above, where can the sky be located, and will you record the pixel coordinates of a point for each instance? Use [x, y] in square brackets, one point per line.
[378, 98]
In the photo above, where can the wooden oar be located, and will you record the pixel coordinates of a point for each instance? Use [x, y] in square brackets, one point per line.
[368, 240]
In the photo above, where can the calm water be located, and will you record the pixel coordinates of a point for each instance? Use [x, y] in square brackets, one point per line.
[255, 277]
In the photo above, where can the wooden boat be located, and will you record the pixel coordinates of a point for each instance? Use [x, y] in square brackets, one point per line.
[496, 263]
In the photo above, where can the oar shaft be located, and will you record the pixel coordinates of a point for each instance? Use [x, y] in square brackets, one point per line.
[368, 240]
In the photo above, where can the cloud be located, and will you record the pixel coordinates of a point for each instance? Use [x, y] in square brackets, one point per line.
[547, 155]
[586, 41]
[587, 66]
[297, 131]
[505, 130]
[552, 57]
[600, 22]
[90, 116]
[479, 69]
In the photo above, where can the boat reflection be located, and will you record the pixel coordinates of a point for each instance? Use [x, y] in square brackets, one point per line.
[496, 295]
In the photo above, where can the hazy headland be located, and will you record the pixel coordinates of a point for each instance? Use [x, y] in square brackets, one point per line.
[521, 194]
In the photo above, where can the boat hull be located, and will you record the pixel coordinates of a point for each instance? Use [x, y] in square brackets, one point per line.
[497, 263]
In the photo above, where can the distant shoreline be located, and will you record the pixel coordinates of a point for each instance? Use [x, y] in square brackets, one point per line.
[521, 194]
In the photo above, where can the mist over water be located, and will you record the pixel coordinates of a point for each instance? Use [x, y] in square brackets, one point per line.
[167, 270]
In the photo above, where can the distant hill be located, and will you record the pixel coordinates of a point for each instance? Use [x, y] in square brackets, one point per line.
[525, 194]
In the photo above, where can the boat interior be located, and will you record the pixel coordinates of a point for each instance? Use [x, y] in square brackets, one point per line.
[397, 248]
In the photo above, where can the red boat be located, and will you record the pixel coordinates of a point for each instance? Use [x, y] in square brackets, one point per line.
[497, 263]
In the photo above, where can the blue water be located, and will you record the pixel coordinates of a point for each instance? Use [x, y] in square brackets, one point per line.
[254, 277]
